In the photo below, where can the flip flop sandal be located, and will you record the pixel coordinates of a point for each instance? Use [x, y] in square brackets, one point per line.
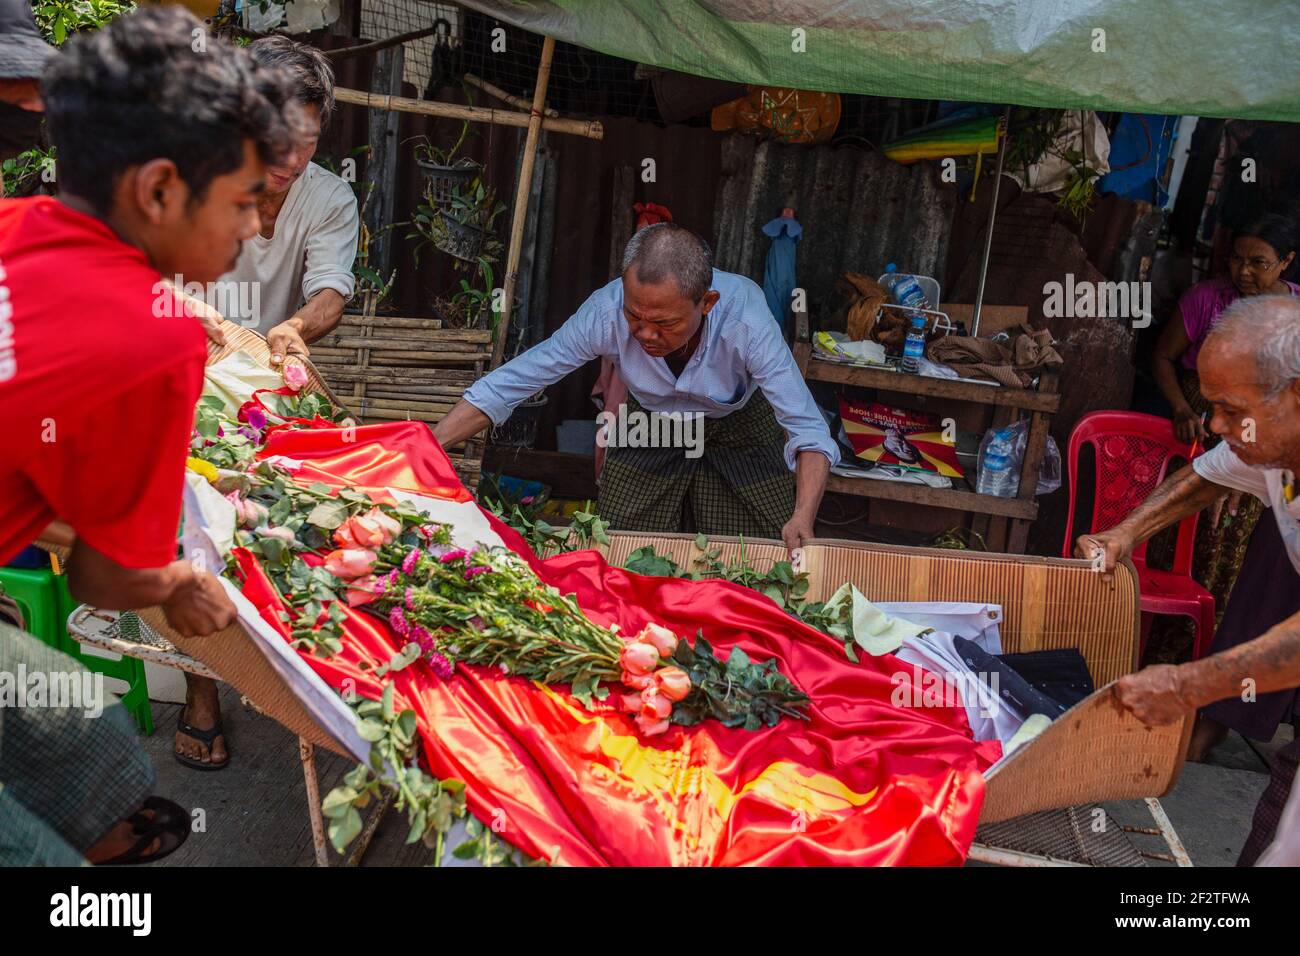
[206, 736]
[169, 826]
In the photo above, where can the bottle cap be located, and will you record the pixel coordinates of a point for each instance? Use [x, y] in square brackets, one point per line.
[891, 268]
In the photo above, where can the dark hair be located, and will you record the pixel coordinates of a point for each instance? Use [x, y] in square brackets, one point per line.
[138, 89]
[666, 250]
[1279, 231]
[312, 75]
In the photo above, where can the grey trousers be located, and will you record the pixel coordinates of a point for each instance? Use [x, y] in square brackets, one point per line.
[70, 767]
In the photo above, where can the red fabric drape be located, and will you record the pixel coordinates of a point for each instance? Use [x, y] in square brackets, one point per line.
[861, 782]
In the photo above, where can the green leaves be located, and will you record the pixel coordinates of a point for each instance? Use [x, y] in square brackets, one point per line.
[328, 515]
[737, 692]
[647, 561]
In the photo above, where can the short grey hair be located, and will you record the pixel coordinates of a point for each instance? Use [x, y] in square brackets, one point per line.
[668, 251]
[310, 70]
[1268, 327]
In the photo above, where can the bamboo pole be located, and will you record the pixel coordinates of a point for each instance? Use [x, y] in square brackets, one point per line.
[535, 123]
[475, 114]
[495, 91]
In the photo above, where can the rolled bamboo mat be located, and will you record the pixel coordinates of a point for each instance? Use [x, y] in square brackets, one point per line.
[1095, 751]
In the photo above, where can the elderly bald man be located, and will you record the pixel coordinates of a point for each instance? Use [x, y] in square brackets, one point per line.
[699, 345]
[1250, 373]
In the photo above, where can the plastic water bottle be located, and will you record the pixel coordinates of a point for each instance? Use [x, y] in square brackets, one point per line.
[997, 474]
[914, 347]
[904, 289]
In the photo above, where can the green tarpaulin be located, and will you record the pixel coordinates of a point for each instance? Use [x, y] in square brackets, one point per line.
[1233, 58]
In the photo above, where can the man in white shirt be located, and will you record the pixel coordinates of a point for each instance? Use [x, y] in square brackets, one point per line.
[290, 283]
[1249, 368]
[294, 277]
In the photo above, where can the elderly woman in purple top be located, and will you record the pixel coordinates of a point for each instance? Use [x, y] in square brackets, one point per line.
[1239, 558]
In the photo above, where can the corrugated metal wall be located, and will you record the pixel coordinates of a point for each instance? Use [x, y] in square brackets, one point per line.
[858, 210]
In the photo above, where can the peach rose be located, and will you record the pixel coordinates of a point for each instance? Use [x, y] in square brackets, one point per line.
[660, 638]
[650, 727]
[673, 683]
[638, 681]
[655, 704]
[630, 703]
[374, 529]
[350, 563]
[639, 658]
[362, 591]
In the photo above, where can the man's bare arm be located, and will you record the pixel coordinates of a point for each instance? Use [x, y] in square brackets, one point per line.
[1184, 494]
[462, 422]
[1271, 660]
[314, 320]
[1179, 496]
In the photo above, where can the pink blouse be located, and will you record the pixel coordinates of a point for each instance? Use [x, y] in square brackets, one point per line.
[1201, 306]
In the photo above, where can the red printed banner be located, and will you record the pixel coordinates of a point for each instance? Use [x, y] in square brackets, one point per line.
[861, 782]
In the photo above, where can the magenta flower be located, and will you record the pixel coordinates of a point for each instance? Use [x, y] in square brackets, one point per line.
[408, 563]
[397, 620]
[455, 554]
[471, 572]
[390, 579]
[440, 665]
[252, 434]
[221, 432]
[254, 416]
[409, 599]
[526, 500]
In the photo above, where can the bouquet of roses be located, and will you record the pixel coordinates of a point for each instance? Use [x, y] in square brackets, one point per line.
[452, 605]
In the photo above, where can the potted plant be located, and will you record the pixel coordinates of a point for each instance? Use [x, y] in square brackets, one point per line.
[444, 175]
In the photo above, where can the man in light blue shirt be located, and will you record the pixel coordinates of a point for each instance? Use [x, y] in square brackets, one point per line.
[705, 365]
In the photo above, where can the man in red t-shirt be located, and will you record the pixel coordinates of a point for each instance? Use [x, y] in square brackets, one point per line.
[161, 149]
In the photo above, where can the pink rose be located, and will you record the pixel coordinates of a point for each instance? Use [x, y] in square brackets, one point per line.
[673, 683]
[350, 563]
[295, 376]
[638, 681]
[362, 591]
[639, 658]
[284, 534]
[630, 703]
[650, 727]
[660, 638]
[238, 504]
[255, 515]
[654, 704]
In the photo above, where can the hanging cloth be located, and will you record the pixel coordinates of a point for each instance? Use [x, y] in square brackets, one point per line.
[778, 273]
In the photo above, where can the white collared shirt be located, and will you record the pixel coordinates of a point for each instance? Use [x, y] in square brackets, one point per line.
[1222, 466]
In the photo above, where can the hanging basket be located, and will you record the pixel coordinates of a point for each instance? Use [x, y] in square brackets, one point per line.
[445, 180]
[458, 239]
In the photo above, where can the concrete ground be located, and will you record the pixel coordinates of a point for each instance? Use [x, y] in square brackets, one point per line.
[255, 811]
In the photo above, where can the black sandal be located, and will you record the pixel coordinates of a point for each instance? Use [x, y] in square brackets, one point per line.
[169, 826]
[206, 737]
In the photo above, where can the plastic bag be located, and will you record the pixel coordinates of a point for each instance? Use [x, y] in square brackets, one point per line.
[1049, 471]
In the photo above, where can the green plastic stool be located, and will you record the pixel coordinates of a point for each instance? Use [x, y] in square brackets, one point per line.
[128, 669]
[35, 593]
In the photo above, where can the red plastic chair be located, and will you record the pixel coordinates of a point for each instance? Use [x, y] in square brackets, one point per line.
[1133, 452]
